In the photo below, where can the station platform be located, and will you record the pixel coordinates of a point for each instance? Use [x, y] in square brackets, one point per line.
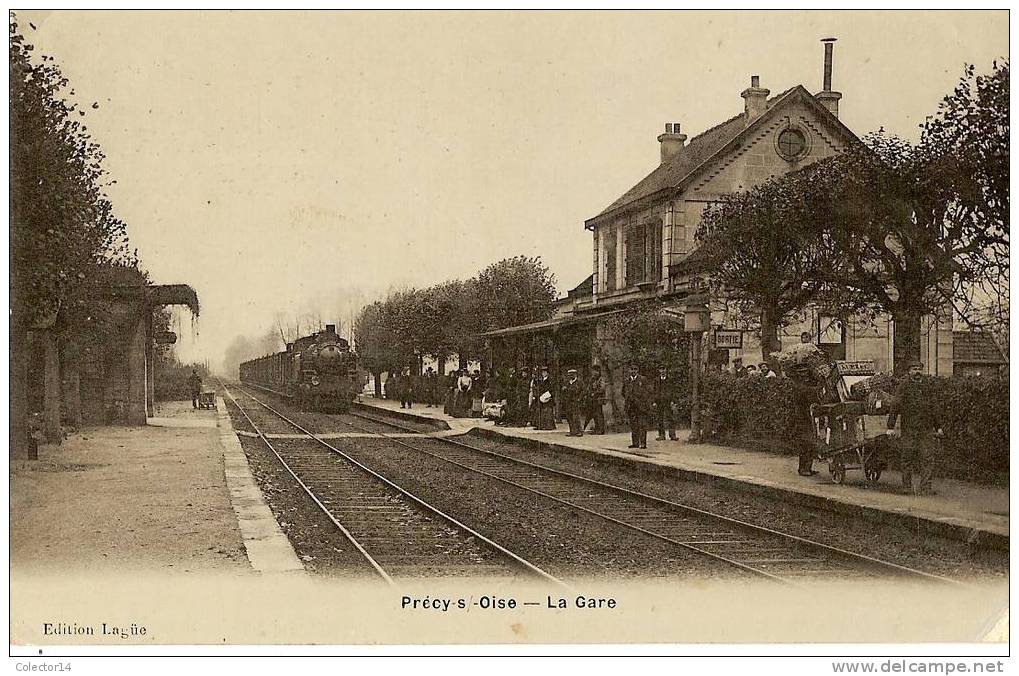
[964, 511]
[175, 496]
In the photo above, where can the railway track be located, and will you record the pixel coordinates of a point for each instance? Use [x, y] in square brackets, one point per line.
[753, 549]
[397, 534]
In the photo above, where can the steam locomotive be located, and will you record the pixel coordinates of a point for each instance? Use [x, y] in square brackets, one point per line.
[318, 372]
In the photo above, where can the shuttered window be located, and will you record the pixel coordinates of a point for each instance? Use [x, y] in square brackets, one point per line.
[636, 253]
[609, 249]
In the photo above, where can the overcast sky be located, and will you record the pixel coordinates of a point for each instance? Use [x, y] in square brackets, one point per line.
[272, 160]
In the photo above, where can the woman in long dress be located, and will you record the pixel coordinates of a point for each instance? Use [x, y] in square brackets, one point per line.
[544, 399]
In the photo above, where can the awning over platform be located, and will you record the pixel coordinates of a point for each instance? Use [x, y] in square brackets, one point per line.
[551, 324]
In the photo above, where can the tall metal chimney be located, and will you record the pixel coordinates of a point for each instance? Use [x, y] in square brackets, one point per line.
[828, 98]
[829, 47]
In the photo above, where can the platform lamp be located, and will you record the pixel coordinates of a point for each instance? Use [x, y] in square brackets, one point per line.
[696, 320]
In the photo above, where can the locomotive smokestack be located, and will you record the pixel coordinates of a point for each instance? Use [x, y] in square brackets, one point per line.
[330, 328]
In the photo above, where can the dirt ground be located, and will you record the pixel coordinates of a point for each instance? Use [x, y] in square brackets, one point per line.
[126, 499]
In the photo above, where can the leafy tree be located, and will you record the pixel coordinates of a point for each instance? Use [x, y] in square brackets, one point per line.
[901, 240]
[969, 136]
[515, 291]
[763, 256]
[373, 338]
[62, 228]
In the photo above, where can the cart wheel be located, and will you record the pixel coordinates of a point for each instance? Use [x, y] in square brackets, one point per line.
[838, 472]
[872, 475]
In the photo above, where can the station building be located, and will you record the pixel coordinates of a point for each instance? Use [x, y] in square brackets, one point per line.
[107, 381]
[644, 248]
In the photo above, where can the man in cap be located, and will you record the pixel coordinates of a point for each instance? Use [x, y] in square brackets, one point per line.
[573, 402]
[920, 432]
[595, 401]
[430, 385]
[407, 389]
[637, 396]
[665, 399]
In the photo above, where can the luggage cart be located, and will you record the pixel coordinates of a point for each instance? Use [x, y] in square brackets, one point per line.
[207, 401]
[841, 427]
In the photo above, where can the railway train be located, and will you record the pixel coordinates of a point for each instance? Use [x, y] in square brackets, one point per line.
[318, 372]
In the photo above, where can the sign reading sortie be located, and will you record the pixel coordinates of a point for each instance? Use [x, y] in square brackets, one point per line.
[730, 339]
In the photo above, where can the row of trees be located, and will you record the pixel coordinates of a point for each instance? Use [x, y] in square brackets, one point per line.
[447, 319]
[886, 226]
[65, 241]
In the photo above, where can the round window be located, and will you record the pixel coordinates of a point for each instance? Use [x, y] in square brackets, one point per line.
[792, 144]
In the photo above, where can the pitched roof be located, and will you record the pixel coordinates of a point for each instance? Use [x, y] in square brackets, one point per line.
[700, 149]
[970, 346]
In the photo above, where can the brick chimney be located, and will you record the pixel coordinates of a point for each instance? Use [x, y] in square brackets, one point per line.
[672, 141]
[828, 98]
[755, 100]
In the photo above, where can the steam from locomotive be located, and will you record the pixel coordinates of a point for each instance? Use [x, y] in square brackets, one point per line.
[319, 372]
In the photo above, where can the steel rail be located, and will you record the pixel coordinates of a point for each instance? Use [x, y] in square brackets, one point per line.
[835, 552]
[346, 533]
[427, 506]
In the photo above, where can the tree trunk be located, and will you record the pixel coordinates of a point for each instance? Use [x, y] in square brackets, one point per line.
[51, 380]
[906, 340]
[22, 445]
[378, 384]
[769, 335]
[442, 365]
[71, 356]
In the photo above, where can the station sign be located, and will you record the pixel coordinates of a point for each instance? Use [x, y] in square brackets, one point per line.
[856, 368]
[728, 339]
[164, 337]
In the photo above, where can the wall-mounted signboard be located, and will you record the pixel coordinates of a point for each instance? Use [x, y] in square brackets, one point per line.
[728, 339]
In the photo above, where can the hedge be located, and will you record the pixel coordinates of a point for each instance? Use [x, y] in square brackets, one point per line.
[757, 413]
[171, 381]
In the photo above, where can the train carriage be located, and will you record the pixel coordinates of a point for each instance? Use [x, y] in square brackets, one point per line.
[318, 372]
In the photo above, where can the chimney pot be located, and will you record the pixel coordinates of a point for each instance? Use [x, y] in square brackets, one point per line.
[671, 141]
[755, 98]
[330, 328]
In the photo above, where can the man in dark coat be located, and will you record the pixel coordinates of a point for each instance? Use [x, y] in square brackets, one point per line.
[574, 398]
[406, 389]
[509, 393]
[430, 384]
[805, 394]
[522, 416]
[544, 402]
[595, 401]
[665, 399]
[195, 387]
[920, 432]
[637, 395]
[393, 386]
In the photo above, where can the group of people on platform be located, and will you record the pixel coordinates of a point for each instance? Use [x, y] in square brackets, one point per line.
[529, 398]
